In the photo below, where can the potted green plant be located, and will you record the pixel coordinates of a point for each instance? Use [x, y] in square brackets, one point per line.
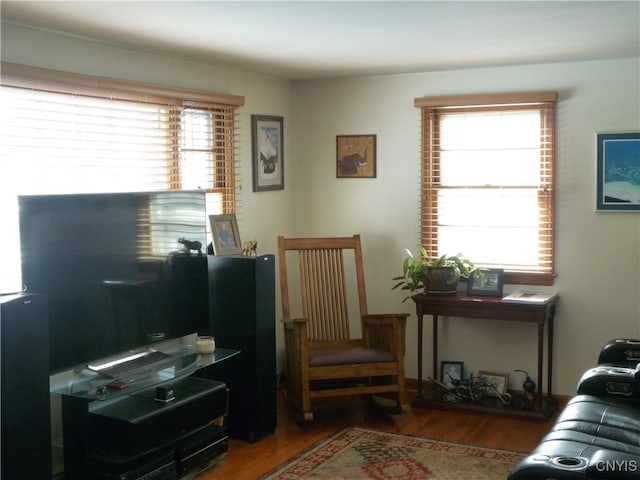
[435, 275]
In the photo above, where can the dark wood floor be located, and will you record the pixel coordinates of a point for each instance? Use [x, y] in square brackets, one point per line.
[246, 461]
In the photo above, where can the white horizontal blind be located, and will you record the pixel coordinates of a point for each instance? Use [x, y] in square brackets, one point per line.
[60, 143]
[487, 185]
[58, 138]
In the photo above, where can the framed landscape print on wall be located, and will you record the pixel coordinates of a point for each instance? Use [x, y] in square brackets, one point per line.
[267, 144]
[618, 187]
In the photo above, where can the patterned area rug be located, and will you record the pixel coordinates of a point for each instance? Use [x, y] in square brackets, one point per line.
[356, 453]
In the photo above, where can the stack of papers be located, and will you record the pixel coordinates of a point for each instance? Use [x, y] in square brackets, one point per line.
[528, 297]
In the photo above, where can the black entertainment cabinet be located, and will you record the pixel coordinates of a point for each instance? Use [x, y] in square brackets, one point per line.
[122, 431]
[242, 312]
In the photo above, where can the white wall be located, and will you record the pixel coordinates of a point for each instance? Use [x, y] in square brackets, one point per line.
[597, 253]
[594, 96]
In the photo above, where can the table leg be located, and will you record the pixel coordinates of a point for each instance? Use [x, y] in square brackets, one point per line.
[540, 356]
[419, 313]
[435, 346]
[550, 349]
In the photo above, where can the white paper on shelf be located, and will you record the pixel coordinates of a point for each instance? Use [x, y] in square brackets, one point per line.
[520, 296]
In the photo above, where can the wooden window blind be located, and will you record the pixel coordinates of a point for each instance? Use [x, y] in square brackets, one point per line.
[69, 133]
[487, 182]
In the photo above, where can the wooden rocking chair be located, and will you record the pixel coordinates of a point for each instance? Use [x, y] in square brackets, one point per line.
[322, 360]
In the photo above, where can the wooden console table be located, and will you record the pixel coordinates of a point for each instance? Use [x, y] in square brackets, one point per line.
[462, 305]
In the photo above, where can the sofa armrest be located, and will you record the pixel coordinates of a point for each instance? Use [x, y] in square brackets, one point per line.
[611, 382]
[623, 352]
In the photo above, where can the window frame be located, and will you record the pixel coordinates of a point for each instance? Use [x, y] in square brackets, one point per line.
[431, 109]
[176, 99]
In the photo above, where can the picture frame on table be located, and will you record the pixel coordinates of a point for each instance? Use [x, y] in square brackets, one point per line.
[618, 176]
[500, 382]
[451, 372]
[225, 234]
[356, 156]
[487, 282]
[267, 147]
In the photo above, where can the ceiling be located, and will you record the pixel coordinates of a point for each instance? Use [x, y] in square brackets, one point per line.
[307, 39]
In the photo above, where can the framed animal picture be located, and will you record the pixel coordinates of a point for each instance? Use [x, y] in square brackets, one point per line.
[356, 156]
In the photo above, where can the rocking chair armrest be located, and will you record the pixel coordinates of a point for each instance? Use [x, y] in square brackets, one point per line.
[295, 338]
[385, 331]
[384, 318]
[295, 330]
[295, 320]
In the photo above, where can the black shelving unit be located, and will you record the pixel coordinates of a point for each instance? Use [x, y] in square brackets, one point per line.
[125, 433]
[242, 312]
[25, 411]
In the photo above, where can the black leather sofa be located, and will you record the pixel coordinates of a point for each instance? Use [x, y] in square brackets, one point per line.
[597, 435]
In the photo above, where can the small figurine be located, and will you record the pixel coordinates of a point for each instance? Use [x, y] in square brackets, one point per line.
[191, 245]
[250, 247]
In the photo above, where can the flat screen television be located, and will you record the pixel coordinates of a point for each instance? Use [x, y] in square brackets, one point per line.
[121, 271]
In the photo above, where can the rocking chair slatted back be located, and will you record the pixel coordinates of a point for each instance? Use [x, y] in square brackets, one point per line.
[324, 295]
[323, 289]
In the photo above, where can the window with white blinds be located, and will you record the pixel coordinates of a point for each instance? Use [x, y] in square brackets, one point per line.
[488, 181]
[68, 133]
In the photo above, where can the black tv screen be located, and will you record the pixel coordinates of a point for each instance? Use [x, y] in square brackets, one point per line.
[121, 270]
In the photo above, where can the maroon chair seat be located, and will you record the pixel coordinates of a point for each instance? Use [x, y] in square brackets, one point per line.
[346, 355]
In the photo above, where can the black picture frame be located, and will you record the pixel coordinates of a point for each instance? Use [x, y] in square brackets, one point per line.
[451, 371]
[618, 188]
[488, 282]
[267, 146]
